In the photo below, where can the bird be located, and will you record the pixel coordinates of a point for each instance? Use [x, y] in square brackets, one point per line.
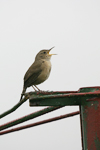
[39, 71]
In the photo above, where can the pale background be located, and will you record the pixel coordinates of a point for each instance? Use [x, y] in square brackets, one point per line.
[28, 26]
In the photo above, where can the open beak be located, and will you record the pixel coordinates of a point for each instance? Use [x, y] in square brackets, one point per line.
[50, 50]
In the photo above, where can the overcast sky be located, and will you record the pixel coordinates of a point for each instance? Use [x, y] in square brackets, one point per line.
[28, 26]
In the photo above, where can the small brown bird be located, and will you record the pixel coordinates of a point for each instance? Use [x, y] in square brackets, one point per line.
[39, 71]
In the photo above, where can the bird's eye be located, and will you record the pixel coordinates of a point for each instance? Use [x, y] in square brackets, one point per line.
[44, 52]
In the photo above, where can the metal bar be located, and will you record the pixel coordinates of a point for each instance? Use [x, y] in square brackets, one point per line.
[28, 117]
[13, 108]
[90, 122]
[81, 129]
[62, 99]
[40, 123]
[27, 96]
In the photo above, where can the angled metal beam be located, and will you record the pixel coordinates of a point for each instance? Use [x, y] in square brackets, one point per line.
[28, 117]
[39, 123]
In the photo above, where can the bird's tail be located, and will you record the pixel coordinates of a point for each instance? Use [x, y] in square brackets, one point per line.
[23, 92]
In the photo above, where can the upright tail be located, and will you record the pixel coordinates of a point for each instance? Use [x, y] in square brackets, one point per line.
[23, 92]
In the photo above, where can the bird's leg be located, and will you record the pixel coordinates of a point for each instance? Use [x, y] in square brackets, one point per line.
[37, 88]
[34, 88]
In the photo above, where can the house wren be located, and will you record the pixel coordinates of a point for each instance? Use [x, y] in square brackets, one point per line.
[39, 71]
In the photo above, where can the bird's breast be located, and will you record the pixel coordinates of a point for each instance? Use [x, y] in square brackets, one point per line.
[46, 68]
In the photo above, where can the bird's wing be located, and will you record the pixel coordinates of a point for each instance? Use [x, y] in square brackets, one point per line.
[32, 74]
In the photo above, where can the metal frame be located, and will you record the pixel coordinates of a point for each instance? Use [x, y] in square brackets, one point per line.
[88, 99]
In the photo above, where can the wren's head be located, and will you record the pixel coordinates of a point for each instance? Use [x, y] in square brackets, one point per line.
[44, 54]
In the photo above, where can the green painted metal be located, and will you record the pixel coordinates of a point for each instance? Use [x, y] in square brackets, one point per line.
[28, 117]
[37, 123]
[13, 108]
[63, 98]
[88, 89]
[87, 98]
[89, 101]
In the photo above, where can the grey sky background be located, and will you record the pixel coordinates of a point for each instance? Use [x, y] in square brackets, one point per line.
[28, 26]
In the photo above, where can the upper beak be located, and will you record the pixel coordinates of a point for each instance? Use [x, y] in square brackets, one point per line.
[50, 50]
